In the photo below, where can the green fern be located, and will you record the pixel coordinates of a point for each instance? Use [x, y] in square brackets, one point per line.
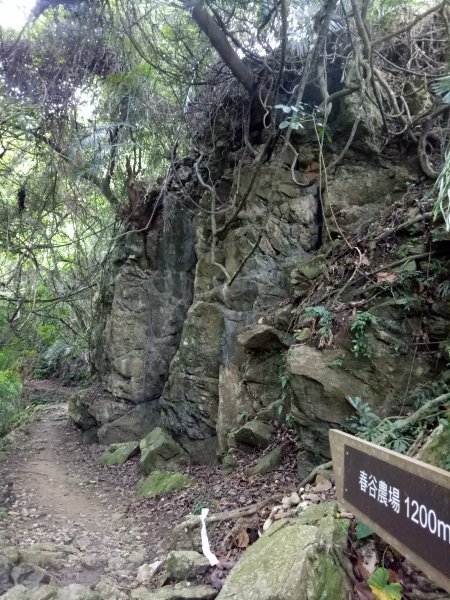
[441, 87]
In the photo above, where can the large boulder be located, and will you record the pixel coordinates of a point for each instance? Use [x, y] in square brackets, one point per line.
[79, 411]
[255, 434]
[119, 420]
[160, 451]
[296, 559]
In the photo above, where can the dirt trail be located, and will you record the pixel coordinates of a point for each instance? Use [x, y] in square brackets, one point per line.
[58, 497]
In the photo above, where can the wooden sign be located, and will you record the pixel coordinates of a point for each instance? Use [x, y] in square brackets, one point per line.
[405, 501]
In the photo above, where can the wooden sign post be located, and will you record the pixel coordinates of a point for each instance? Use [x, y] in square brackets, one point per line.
[405, 501]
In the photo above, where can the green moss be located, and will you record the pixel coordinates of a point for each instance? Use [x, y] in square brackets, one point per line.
[161, 482]
[118, 454]
[331, 583]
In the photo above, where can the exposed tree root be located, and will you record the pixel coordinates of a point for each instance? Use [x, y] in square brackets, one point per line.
[403, 425]
[315, 472]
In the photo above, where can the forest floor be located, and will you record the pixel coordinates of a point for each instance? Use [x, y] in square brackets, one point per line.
[59, 498]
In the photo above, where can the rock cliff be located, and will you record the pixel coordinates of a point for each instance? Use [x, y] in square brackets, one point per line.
[197, 318]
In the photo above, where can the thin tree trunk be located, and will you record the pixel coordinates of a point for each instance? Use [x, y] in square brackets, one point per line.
[220, 43]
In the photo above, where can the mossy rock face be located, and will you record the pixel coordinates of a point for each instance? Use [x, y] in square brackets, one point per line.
[292, 560]
[310, 269]
[118, 454]
[179, 591]
[436, 450]
[159, 483]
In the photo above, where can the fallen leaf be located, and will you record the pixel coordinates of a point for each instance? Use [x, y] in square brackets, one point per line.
[393, 576]
[363, 592]
[363, 531]
[242, 540]
[386, 277]
[364, 260]
[381, 588]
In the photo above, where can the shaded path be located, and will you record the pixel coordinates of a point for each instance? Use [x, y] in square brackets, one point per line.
[59, 498]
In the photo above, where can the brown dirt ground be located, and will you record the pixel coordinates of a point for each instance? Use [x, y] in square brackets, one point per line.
[59, 497]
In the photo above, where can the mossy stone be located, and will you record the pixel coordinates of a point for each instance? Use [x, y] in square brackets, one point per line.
[292, 560]
[255, 434]
[268, 463]
[159, 483]
[159, 451]
[118, 454]
[312, 268]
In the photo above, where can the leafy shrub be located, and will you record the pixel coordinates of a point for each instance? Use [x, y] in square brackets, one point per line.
[364, 421]
[64, 361]
[10, 393]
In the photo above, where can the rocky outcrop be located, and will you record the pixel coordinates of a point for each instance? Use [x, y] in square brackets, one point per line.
[436, 449]
[143, 308]
[321, 379]
[197, 333]
[289, 219]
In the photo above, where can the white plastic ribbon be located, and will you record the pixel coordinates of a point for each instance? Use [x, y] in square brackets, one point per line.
[213, 560]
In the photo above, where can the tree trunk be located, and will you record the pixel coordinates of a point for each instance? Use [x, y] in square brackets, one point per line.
[220, 43]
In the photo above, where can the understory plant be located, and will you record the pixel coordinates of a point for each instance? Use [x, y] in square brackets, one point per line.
[324, 319]
[360, 342]
[367, 425]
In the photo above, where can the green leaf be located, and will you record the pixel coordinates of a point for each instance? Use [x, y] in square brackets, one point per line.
[381, 589]
[363, 531]
[284, 124]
